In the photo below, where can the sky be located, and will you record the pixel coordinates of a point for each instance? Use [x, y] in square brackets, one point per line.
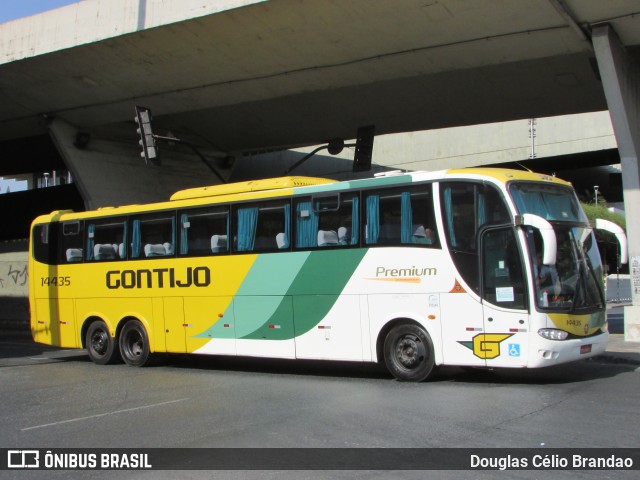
[12, 9]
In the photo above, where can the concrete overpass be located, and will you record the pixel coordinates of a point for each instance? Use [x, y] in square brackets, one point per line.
[238, 75]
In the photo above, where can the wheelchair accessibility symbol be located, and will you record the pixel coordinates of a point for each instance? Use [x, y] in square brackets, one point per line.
[514, 350]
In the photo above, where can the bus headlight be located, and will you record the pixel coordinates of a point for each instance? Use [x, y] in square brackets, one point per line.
[553, 334]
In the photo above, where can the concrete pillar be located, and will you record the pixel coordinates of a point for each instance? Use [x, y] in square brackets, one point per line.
[110, 171]
[621, 81]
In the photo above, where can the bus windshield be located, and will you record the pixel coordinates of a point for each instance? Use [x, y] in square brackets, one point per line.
[551, 202]
[572, 284]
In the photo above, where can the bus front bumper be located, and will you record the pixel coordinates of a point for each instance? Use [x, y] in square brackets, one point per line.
[545, 352]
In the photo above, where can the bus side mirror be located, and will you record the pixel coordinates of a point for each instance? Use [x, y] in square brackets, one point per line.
[549, 242]
[611, 227]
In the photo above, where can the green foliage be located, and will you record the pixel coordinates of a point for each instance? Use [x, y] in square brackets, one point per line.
[600, 211]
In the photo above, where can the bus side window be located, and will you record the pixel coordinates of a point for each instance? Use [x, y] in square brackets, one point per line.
[153, 235]
[330, 221]
[71, 242]
[400, 217]
[105, 239]
[45, 244]
[262, 227]
[204, 231]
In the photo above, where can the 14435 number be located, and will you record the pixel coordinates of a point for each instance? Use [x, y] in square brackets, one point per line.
[55, 281]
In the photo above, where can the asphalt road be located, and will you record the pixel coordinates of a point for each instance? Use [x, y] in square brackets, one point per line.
[52, 398]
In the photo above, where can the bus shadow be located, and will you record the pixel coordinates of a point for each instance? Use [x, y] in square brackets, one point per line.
[317, 368]
[575, 372]
[560, 374]
[17, 352]
[25, 353]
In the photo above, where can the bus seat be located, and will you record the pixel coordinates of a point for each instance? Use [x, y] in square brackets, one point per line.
[218, 243]
[281, 240]
[327, 238]
[343, 236]
[74, 255]
[168, 248]
[154, 250]
[420, 235]
[121, 251]
[104, 251]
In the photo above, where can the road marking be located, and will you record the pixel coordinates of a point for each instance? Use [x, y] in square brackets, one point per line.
[79, 419]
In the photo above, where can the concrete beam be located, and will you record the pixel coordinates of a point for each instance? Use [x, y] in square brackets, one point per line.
[110, 171]
[621, 81]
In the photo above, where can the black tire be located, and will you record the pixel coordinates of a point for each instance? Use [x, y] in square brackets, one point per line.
[408, 353]
[101, 346]
[134, 344]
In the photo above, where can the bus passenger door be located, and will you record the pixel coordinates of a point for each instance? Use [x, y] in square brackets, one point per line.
[504, 299]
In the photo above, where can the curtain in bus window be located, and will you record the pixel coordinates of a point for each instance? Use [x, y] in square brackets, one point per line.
[136, 240]
[562, 207]
[91, 230]
[449, 212]
[355, 220]
[307, 223]
[247, 224]
[531, 202]
[373, 219]
[406, 218]
[184, 234]
[287, 225]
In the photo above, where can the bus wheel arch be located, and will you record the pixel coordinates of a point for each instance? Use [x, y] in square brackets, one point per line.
[133, 342]
[407, 350]
[96, 338]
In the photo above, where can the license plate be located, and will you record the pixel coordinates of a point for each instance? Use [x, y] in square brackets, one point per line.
[585, 349]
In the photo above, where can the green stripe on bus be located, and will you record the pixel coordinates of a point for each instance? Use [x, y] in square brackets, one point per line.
[315, 290]
[355, 184]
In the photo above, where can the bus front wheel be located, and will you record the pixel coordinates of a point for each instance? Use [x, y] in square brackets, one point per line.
[101, 346]
[134, 344]
[408, 353]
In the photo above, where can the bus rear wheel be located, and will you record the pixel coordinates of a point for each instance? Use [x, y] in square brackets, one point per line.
[134, 344]
[101, 346]
[408, 353]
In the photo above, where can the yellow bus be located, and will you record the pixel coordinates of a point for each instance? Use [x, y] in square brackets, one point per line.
[471, 267]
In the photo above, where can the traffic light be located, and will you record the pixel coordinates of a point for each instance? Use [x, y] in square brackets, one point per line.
[364, 149]
[147, 139]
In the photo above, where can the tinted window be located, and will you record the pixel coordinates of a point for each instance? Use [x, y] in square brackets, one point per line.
[45, 249]
[467, 207]
[204, 231]
[262, 227]
[105, 239]
[503, 277]
[328, 221]
[153, 235]
[71, 241]
[400, 216]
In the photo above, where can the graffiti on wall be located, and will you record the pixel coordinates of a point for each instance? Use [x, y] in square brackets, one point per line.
[14, 278]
